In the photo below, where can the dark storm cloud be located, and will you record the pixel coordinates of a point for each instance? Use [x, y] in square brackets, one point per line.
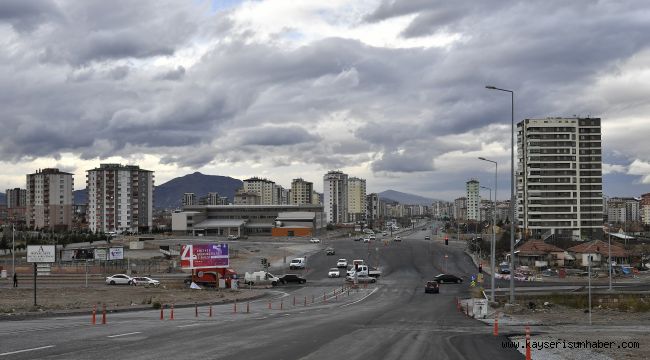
[276, 136]
[91, 83]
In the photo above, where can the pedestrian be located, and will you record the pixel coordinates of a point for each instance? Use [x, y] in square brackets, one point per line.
[15, 279]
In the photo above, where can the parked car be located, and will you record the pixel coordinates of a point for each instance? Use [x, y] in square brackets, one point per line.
[334, 273]
[119, 279]
[298, 263]
[260, 278]
[233, 237]
[145, 281]
[427, 237]
[549, 272]
[384, 233]
[366, 240]
[447, 278]
[342, 263]
[397, 238]
[330, 251]
[431, 288]
[292, 278]
[314, 241]
[361, 279]
[358, 239]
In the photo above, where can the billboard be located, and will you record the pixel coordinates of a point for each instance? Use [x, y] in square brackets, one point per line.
[101, 254]
[116, 253]
[41, 253]
[202, 256]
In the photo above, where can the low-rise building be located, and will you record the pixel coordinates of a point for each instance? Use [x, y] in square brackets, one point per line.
[539, 254]
[599, 252]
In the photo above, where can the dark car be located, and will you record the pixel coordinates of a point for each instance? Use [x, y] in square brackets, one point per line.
[292, 278]
[358, 239]
[447, 278]
[431, 288]
[330, 251]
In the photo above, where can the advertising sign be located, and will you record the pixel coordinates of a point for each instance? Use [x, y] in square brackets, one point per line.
[101, 254]
[41, 253]
[116, 253]
[83, 254]
[202, 256]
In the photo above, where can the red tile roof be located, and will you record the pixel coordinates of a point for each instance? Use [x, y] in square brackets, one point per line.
[537, 247]
[599, 247]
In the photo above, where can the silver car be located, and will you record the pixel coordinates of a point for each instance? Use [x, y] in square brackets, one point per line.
[145, 281]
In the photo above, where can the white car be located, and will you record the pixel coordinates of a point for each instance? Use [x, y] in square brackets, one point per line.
[145, 281]
[314, 241]
[342, 263]
[119, 279]
[397, 238]
[334, 273]
[233, 237]
[366, 240]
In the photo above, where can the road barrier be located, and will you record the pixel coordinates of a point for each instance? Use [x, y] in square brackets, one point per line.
[171, 313]
[196, 310]
[162, 316]
[210, 311]
[495, 332]
[528, 354]
[94, 313]
[103, 314]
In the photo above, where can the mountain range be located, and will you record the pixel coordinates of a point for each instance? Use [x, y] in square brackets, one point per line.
[405, 198]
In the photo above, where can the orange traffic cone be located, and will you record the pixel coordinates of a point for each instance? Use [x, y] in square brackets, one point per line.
[495, 332]
[528, 355]
[94, 313]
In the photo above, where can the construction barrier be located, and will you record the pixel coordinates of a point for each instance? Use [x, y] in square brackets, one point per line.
[103, 314]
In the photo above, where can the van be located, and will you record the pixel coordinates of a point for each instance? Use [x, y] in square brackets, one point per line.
[298, 263]
[261, 278]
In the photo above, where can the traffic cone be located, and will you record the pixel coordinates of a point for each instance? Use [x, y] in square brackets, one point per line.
[171, 313]
[104, 314]
[94, 313]
[528, 355]
[495, 332]
[161, 312]
[210, 311]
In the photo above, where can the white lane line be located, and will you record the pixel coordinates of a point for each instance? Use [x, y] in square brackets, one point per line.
[188, 325]
[363, 298]
[260, 318]
[22, 351]
[125, 334]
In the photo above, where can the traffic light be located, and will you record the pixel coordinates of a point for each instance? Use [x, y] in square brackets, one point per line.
[446, 240]
[480, 268]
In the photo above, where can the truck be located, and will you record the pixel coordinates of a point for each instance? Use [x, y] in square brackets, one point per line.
[364, 270]
[209, 277]
[260, 278]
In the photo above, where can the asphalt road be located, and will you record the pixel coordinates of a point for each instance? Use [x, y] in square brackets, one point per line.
[392, 319]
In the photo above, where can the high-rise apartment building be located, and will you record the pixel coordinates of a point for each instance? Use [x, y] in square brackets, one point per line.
[644, 208]
[16, 198]
[301, 192]
[213, 198]
[473, 199]
[460, 209]
[316, 198]
[189, 199]
[372, 206]
[559, 178]
[264, 188]
[356, 199]
[335, 197]
[49, 199]
[120, 198]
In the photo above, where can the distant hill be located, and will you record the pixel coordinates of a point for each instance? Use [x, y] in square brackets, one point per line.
[80, 196]
[170, 194]
[3, 198]
[404, 198]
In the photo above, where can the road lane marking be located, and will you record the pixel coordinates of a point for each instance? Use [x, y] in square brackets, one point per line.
[188, 325]
[260, 318]
[363, 298]
[125, 334]
[26, 350]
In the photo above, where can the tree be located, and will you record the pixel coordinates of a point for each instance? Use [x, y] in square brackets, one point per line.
[4, 244]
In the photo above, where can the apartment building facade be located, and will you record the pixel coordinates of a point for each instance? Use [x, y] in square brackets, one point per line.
[301, 192]
[473, 189]
[335, 197]
[264, 188]
[120, 198]
[356, 199]
[49, 199]
[559, 178]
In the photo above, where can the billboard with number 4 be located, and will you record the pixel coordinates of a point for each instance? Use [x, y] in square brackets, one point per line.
[203, 256]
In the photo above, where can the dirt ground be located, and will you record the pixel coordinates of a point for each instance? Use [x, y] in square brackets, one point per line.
[20, 301]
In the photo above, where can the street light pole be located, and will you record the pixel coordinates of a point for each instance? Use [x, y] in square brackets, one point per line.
[609, 257]
[512, 190]
[13, 248]
[492, 244]
[494, 224]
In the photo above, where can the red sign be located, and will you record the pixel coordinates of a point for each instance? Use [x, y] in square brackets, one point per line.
[203, 256]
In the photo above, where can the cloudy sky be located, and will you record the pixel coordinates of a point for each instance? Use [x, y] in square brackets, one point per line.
[389, 90]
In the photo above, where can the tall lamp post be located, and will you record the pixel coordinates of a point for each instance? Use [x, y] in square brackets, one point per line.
[492, 245]
[13, 248]
[512, 190]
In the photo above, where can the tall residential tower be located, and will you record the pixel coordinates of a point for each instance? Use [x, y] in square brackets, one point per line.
[335, 197]
[49, 199]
